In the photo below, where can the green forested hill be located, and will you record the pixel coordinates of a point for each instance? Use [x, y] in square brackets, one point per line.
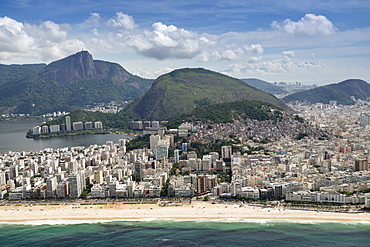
[340, 92]
[182, 90]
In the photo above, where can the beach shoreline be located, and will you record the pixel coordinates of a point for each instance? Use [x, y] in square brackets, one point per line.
[176, 211]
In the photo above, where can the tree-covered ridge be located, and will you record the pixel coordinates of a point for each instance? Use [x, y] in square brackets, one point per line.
[340, 92]
[67, 84]
[228, 112]
[182, 90]
[11, 73]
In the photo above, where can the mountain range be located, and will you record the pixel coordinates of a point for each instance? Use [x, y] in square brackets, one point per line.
[342, 92]
[66, 84]
[265, 86]
[79, 80]
[182, 90]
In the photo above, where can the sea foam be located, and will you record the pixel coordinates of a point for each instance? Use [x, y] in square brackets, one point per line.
[224, 220]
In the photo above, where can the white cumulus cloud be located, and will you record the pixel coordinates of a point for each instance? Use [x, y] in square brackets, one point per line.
[254, 59]
[228, 53]
[13, 37]
[310, 24]
[93, 20]
[123, 21]
[255, 49]
[48, 30]
[162, 42]
[45, 41]
[289, 54]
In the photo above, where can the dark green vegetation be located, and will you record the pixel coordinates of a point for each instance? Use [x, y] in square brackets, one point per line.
[14, 73]
[228, 112]
[301, 136]
[164, 189]
[139, 142]
[207, 147]
[299, 119]
[354, 192]
[66, 84]
[10, 73]
[265, 86]
[340, 92]
[86, 191]
[182, 90]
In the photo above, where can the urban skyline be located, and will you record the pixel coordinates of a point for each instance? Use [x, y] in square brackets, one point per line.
[328, 165]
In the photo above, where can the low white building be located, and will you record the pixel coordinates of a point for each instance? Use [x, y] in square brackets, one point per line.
[97, 191]
[367, 200]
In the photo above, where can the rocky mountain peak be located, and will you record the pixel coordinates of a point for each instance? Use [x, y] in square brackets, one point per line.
[70, 69]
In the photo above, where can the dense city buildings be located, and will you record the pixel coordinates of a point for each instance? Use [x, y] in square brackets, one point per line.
[320, 157]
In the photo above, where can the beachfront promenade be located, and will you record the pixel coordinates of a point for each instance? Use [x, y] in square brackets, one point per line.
[177, 211]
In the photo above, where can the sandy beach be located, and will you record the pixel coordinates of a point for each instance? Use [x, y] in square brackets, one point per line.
[193, 211]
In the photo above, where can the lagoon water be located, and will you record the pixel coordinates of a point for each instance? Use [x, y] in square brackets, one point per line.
[185, 233]
[13, 138]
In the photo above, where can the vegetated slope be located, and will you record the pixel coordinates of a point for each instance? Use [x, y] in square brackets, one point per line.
[228, 112]
[71, 83]
[13, 72]
[10, 74]
[340, 92]
[184, 89]
[265, 86]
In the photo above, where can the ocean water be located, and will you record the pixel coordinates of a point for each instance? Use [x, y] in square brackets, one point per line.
[184, 233]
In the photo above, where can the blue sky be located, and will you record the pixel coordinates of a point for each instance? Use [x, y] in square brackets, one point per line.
[307, 41]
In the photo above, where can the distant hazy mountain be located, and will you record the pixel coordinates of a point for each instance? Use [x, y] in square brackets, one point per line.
[265, 86]
[340, 92]
[66, 84]
[184, 89]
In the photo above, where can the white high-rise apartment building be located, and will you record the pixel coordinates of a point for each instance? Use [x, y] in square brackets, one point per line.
[77, 184]
[68, 123]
